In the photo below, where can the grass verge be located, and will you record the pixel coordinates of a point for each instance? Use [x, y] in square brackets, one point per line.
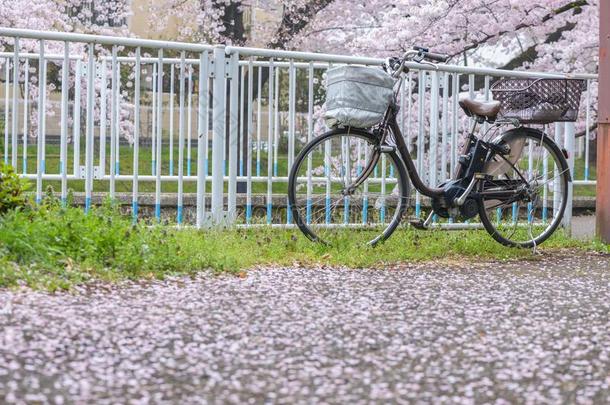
[51, 248]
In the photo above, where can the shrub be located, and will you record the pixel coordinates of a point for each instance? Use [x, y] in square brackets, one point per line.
[53, 247]
[12, 189]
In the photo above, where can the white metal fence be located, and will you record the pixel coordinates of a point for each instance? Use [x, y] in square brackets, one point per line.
[168, 122]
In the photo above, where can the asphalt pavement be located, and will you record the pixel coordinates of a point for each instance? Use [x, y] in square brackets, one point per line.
[443, 332]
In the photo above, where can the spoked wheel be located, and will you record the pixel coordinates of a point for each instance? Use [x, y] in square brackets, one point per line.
[325, 199]
[538, 179]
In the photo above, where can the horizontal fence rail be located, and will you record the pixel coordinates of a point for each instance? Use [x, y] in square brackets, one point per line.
[206, 135]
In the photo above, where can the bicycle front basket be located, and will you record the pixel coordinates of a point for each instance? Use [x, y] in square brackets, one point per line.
[539, 101]
[357, 96]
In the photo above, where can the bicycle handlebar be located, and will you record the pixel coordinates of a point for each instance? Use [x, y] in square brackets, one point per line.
[418, 54]
[424, 53]
[437, 57]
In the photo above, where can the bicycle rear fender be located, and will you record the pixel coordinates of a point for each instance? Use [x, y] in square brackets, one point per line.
[561, 153]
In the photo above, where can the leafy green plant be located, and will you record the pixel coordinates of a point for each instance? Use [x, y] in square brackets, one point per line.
[52, 246]
[12, 189]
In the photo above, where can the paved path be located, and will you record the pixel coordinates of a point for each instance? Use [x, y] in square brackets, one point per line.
[529, 332]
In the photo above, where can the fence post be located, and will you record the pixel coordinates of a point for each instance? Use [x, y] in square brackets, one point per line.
[63, 153]
[90, 126]
[569, 138]
[15, 112]
[42, 89]
[76, 119]
[233, 76]
[114, 118]
[218, 133]
[7, 92]
[159, 135]
[433, 152]
[136, 134]
[202, 135]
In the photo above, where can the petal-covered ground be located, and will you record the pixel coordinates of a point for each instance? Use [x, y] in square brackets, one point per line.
[525, 332]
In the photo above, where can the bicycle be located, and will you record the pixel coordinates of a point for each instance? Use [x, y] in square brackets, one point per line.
[517, 182]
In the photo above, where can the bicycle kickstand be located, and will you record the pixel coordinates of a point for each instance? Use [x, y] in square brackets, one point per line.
[422, 225]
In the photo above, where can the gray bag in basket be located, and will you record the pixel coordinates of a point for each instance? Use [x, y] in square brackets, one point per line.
[357, 96]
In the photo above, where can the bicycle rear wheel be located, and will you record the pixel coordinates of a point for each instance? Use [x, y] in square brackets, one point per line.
[323, 201]
[538, 177]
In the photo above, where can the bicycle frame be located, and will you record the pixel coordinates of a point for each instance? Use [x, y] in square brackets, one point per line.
[403, 151]
[390, 123]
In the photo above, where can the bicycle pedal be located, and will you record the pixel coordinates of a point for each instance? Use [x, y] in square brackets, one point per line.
[418, 224]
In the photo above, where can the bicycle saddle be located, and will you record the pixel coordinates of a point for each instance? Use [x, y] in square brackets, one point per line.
[486, 109]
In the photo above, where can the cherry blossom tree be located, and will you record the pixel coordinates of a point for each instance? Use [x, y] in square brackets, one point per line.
[106, 17]
[549, 35]
[552, 35]
[225, 21]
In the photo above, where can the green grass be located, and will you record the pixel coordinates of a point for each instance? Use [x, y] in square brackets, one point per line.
[579, 174]
[53, 248]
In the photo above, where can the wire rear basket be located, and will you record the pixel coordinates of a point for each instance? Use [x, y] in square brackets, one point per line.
[539, 101]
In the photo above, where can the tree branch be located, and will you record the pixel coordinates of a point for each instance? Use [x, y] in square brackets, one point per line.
[364, 27]
[569, 6]
[593, 127]
[294, 20]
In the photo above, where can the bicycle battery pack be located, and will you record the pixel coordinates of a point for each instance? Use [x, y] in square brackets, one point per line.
[474, 161]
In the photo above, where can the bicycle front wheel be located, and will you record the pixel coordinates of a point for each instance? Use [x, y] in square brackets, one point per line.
[324, 202]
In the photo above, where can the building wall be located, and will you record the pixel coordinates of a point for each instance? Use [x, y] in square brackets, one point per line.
[142, 22]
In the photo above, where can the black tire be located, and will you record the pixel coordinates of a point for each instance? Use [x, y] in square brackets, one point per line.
[324, 233]
[560, 186]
